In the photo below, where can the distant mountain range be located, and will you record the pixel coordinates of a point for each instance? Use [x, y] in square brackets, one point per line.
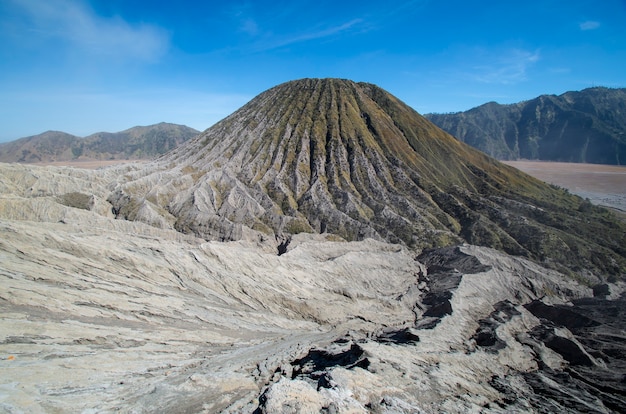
[586, 126]
[140, 142]
[578, 126]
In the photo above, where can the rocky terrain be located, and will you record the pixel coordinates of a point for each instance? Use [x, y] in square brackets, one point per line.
[105, 315]
[243, 272]
[581, 126]
[141, 142]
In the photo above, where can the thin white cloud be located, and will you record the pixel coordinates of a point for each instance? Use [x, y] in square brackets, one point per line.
[73, 22]
[506, 67]
[273, 42]
[318, 34]
[274, 29]
[589, 25]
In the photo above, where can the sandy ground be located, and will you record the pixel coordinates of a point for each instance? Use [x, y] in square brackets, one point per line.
[602, 184]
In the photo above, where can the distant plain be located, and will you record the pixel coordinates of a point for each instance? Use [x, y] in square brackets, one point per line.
[601, 184]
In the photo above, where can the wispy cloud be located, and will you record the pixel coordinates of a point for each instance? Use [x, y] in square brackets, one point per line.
[318, 33]
[589, 25]
[243, 16]
[507, 67]
[249, 26]
[271, 41]
[267, 30]
[75, 23]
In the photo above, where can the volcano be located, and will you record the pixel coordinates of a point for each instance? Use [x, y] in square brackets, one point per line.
[349, 159]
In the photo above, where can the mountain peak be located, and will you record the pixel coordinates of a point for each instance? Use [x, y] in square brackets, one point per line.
[335, 156]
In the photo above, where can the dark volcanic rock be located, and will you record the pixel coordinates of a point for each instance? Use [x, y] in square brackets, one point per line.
[596, 354]
[486, 335]
[399, 336]
[318, 360]
[560, 315]
[446, 267]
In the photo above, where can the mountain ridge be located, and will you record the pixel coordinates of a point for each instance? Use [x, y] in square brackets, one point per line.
[139, 142]
[576, 126]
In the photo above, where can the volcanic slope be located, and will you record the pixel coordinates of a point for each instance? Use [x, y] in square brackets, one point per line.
[335, 156]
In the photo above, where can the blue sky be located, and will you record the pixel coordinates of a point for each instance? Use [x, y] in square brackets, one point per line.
[84, 66]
